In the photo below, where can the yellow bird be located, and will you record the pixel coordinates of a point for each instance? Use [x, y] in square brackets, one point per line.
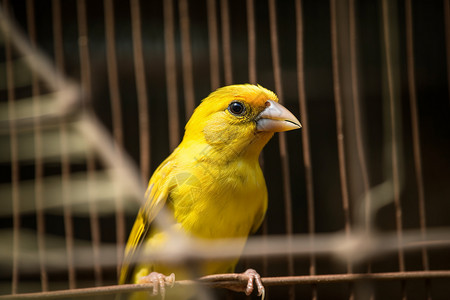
[212, 183]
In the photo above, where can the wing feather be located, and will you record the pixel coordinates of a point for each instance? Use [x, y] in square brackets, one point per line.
[156, 196]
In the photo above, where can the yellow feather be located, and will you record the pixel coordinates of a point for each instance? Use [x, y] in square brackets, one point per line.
[212, 183]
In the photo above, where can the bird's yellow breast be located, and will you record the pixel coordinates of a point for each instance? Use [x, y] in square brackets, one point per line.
[220, 202]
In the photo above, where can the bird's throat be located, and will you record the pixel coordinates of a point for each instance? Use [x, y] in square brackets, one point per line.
[233, 150]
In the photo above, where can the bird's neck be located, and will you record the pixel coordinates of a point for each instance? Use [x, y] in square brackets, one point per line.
[227, 152]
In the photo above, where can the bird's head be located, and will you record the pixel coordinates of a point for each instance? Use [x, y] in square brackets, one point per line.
[240, 118]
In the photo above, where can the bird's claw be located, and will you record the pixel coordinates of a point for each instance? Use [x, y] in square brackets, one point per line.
[159, 282]
[254, 278]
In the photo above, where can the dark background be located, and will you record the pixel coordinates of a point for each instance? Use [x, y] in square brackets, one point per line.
[430, 62]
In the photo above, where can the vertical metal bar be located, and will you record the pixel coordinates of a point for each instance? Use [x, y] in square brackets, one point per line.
[171, 75]
[339, 120]
[274, 48]
[394, 150]
[360, 151]
[57, 35]
[38, 162]
[83, 47]
[15, 171]
[416, 135]
[226, 42]
[337, 86]
[305, 138]
[85, 67]
[251, 42]
[141, 87]
[68, 219]
[394, 136]
[415, 124]
[282, 138]
[213, 44]
[357, 114]
[252, 71]
[93, 215]
[65, 160]
[186, 59]
[447, 39]
[113, 81]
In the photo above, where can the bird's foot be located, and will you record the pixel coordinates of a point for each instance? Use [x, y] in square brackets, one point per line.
[159, 282]
[253, 278]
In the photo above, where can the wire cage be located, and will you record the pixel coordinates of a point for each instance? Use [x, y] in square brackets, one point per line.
[95, 94]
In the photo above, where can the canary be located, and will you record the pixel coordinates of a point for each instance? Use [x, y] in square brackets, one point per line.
[212, 183]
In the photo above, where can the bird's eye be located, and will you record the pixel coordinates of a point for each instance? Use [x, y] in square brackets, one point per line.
[236, 108]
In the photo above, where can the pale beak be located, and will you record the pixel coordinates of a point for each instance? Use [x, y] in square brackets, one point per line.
[276, 118]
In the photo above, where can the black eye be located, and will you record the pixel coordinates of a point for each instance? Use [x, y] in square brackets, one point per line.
[236, 108]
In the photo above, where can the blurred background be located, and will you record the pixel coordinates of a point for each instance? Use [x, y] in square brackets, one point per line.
[95, 94]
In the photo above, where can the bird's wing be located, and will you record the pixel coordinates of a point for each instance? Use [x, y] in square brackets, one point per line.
[155, 197]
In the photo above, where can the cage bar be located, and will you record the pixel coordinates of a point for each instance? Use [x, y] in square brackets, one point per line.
[39, 168]
[114, 91]
[213, 39]
[284, 157]
[251, 33]
[337, 87]
[141, 88]
[186, 58]
[226, 42]
[65, 159]
[15, 171]
[171, 75]
[309, 181]
[416, 135]
[85, 79]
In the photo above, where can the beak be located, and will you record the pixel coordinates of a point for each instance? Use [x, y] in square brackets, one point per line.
[276, 118]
